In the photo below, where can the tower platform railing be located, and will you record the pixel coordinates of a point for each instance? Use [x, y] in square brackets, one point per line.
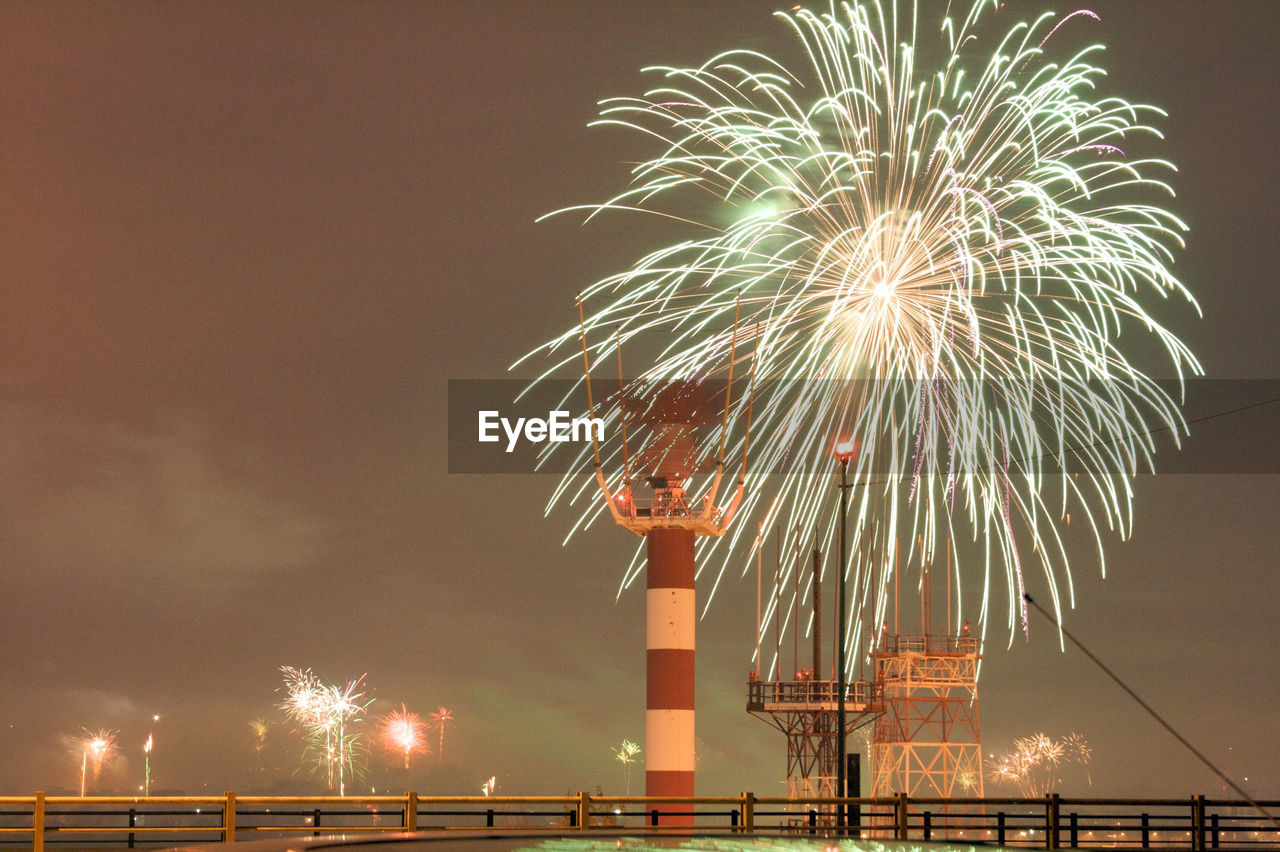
[810, 694]
[933, 645]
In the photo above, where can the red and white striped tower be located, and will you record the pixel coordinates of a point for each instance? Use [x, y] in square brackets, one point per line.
[670, 617]
[670, 526]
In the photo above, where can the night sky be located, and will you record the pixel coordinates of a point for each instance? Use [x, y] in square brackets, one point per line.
[244, 247]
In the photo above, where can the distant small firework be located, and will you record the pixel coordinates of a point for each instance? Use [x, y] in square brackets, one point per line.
[626, 755]
[326, 712]
[1033, 764]
[403, 733]
[440, 718]
[92, 750]
[489, 786]
[259, 728]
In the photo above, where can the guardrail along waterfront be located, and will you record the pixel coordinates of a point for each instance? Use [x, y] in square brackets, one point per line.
[1052, 822]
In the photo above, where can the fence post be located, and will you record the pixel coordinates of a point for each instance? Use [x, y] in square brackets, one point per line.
[1075, 829]
[584, 810]
[999, 828]
[1197, 823]
[133, 823]
[411, 812]
[229, 818]
[1146, 831]
[900, 817]
[37, 823]
[1051, 821]
[749, 812]
[1213, 834]
[927, 821]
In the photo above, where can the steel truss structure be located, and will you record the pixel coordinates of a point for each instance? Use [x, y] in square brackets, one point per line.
[927, 742]
[805, 710]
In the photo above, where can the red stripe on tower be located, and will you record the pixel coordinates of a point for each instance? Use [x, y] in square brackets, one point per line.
[670, 616]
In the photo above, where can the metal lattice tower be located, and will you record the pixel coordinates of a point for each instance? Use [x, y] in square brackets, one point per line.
[805, 710]
[927, 741]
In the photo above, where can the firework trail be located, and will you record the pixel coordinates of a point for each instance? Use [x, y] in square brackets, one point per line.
[1033, 764]
[92, 750]
[440, 718]
[327, 713]
[935, 256]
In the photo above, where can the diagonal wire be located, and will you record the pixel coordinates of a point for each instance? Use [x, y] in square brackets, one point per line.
[1145, 706]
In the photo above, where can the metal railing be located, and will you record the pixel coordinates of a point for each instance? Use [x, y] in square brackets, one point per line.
[1051, 822]
[932, 644]
[809, 692]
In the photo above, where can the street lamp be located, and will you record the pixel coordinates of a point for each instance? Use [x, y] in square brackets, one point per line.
[845, 450]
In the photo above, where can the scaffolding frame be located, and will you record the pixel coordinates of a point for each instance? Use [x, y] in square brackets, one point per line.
[806, 712]
[928, 740]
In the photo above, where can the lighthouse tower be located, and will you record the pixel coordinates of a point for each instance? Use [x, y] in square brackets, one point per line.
[655, 504]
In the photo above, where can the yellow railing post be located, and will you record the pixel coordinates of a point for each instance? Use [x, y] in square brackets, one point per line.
[411, 812]
[37, 823]
[749, 812]
[584, 811]
[229, 818]
[1052, 819]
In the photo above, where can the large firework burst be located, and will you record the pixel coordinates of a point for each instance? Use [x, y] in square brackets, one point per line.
[935, 257]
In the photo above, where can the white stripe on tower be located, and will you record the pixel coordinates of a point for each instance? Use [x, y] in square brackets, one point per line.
[670, 617]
